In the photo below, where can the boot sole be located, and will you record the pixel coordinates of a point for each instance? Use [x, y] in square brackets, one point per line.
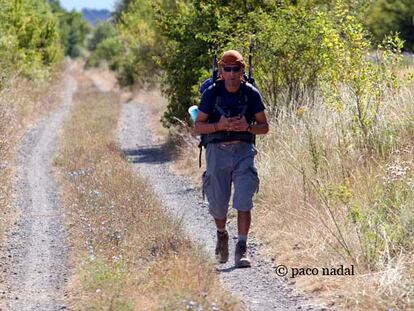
[243, 264]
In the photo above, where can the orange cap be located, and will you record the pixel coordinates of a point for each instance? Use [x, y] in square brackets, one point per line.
[231, 57]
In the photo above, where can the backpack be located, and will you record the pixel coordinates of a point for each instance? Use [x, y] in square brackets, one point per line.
[213, 82]
[227, 136]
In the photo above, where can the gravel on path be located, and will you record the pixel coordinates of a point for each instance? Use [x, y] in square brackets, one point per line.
[258, 287]
[35, 261]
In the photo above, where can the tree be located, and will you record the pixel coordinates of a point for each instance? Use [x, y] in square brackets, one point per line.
[30, 41]
[392, 16]
[101, 32]
[73, 29]
[143, 42]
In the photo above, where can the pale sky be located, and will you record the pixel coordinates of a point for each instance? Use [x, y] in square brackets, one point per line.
[90, 4]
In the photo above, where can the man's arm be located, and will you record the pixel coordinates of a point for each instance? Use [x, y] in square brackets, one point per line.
[241, 125]
[261, 126]
[201, 126]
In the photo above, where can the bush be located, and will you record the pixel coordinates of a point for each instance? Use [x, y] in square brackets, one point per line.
[29, 41]
[73, 29]
[386, 17]
[143, 42]
[109, 50]
[101, 32]
[302, 48]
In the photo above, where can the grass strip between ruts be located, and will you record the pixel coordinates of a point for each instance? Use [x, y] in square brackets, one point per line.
[127, 253]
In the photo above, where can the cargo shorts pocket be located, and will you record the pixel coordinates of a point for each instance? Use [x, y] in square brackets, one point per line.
[255, 177]
[246, 185]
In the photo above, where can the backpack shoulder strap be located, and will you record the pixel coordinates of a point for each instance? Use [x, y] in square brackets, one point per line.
[246, 91]
[219, 99]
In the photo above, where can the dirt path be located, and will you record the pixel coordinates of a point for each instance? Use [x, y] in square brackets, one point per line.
[259, 287]
[36, 256]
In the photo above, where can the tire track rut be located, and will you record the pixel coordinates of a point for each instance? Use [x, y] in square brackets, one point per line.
[36, 255]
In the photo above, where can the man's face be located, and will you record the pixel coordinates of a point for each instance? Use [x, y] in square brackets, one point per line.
[232, 75]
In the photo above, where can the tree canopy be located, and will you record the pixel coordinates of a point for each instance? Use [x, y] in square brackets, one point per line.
[392, 16]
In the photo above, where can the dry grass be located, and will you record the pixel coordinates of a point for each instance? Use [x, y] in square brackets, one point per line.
[127, 253]
[326, 201]
[324, 197]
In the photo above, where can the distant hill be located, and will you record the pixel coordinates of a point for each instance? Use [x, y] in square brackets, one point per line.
[93, 16]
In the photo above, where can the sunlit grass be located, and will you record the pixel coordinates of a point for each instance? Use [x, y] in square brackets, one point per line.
[128, 254]
[330, 201]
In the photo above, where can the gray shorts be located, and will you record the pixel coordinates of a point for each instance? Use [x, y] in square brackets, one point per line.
[227, 164]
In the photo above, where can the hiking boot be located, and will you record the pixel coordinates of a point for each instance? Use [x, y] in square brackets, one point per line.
[241, 259]
[222, 247]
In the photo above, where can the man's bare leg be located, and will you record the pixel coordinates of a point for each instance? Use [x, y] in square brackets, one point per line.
[243, 222]
[220, 223]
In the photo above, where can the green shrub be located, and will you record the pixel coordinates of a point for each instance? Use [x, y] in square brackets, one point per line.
[109, 50]
[101, 32]
[74, 33]
[144, 44]
[29, 38]
[73, 29]
[301, 49]
[386, 17]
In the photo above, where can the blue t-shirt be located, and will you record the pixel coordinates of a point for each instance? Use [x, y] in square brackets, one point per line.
[231, 103]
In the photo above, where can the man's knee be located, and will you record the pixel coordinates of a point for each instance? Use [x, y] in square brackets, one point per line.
[218, 212]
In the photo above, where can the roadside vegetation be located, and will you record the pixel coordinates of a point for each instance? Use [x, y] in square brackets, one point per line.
[336, 169]
[130, 44]
[104, 46]
[391, 16]
[129, 255]
[29, 44]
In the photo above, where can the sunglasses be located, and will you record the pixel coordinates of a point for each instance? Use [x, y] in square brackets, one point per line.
[234, 69]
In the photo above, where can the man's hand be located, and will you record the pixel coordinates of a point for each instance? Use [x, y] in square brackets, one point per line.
[224, 124]
[238, 124]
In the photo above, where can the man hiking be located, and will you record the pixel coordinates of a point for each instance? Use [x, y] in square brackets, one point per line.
[231, 113]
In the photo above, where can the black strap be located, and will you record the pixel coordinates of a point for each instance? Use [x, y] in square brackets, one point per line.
[243, 111]
[219, 108]
[199, 155]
